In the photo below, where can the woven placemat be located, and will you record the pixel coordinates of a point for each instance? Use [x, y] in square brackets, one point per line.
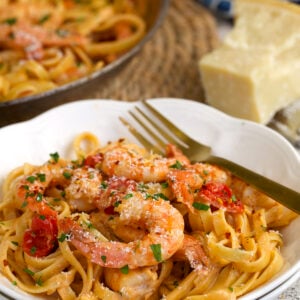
[167, 65]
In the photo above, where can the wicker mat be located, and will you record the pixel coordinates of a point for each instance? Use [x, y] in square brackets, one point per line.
[167, 65]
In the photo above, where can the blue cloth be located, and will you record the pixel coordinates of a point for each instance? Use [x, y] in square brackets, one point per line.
[224, 8]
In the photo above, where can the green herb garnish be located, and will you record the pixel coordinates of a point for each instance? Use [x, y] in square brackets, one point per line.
[200, 206]
[125, 269]
[54, 156]
[177, 165]
[156, 249]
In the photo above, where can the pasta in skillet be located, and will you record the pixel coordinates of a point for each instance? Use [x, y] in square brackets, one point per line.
[48, 43]
[119, 222]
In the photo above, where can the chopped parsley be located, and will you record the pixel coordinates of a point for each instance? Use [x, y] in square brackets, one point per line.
[24, 204]
[160, 195]
[31, 179]
[125, 269]
[103, 258]
[67, 175]
[39, 197]
[10, 21]
[28, 271]
[39, 282]
[142, 187]
[177, 165]
[54, 156]
[117, 203]
[103, 185]
[41, 177]
[33, 250]
[44, 18]
[89, 225]
[200, 206]
[164, 185]
[63, 237]
[127, 196]
[156, 250]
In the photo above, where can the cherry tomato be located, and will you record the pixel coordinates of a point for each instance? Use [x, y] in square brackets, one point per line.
[41, 238]
[219, 195]
[93, 160]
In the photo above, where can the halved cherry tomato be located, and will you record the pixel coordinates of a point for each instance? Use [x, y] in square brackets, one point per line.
[219, 195]
[41, 238]
[93, 160]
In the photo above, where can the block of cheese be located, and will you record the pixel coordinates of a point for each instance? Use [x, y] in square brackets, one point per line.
[256, 70]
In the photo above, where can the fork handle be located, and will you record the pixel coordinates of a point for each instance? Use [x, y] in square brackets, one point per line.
[278, 192]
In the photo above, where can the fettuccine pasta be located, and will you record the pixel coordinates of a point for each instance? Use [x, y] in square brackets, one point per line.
[120, 222]
[48, 43]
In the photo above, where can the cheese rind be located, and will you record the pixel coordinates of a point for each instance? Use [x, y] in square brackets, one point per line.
[252, 75]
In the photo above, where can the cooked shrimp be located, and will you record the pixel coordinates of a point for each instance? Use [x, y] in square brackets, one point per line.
[32, 39]
[138, 284]
[192, 250]
[113, 190]
[186, 182]
[80, 186]
[183, 184]
[159, 218]
[83, 189]
[251, 196]
[135, 163]
[32, 187]
[213, 173]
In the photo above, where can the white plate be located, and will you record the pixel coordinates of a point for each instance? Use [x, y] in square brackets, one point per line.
[249, 144]
[280, 289]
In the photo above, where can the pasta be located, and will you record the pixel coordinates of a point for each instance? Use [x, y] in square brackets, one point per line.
[48, 43]
[120, 222]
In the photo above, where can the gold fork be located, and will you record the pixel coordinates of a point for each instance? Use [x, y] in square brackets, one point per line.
[199, 152]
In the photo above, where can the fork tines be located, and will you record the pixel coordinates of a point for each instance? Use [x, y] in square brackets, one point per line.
[159, 129]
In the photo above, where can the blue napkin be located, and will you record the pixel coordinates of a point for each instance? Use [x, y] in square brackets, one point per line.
[224, 8]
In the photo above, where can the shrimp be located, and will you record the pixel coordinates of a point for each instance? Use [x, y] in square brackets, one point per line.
[185, 183]
[112, 191]
[80, 186]
[163, 222]
[211, 173]
[41, 237]
[31, 188]
[83, 189]
[51, 180]
[138, 284]
[135, 163]
[192, 250]
[34, 38]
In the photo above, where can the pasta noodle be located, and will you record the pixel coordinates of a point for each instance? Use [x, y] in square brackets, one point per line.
[119, 222]
[48, 43]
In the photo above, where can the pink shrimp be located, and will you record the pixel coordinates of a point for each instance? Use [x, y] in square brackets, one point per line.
[135, 163]
[49, 181]
[32, 38]
[192, 250]
[31, 188]
[159, 218]
[185, 183]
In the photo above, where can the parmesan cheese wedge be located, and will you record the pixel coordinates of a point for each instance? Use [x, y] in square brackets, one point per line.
[256, 70]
